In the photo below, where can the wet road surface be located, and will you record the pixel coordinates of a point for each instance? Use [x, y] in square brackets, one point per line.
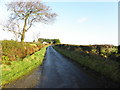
[56, 72]
[59, 72]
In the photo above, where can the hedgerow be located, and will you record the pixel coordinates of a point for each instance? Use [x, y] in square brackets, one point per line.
[104, 66]
[19, 68]
[13, 50]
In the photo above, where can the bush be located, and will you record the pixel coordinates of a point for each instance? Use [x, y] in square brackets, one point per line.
[11, 49]
[107, 51]
[14, 50]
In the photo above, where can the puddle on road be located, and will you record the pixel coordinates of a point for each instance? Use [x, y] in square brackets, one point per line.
[27, 81]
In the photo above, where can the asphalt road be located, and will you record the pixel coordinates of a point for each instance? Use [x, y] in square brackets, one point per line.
[56, 72]
[60, 72]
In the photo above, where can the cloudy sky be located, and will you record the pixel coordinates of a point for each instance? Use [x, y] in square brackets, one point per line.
[77, 22]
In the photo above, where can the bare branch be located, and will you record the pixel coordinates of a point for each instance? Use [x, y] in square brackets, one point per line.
[29, 13]
[6, 28]
[30, 24]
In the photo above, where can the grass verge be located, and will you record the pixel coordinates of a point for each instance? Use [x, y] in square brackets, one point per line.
[19, 68]
[109, 69]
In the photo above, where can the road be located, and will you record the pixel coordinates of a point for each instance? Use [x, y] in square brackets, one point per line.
[60, 72]
[57, 72]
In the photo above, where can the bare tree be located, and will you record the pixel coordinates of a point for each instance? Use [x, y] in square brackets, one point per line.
[27, 14]
[13, 27]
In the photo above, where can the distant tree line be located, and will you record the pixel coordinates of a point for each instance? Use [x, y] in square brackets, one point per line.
[51, 41]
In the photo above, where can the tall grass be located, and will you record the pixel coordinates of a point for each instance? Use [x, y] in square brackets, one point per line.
[109, 69]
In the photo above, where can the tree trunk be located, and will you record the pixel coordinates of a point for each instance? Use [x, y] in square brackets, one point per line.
[23, 36]
[24, 30]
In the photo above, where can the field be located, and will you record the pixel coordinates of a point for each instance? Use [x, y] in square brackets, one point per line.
[103, 60]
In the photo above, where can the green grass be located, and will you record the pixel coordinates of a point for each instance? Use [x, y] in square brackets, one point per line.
[19, 68]
[109, 69]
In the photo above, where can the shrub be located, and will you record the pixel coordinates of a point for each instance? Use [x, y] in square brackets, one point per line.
[11, 49]
[14, 50]
[106, 51]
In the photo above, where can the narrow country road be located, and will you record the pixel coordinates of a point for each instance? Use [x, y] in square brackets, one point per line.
[59, 72]
[56, 72]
